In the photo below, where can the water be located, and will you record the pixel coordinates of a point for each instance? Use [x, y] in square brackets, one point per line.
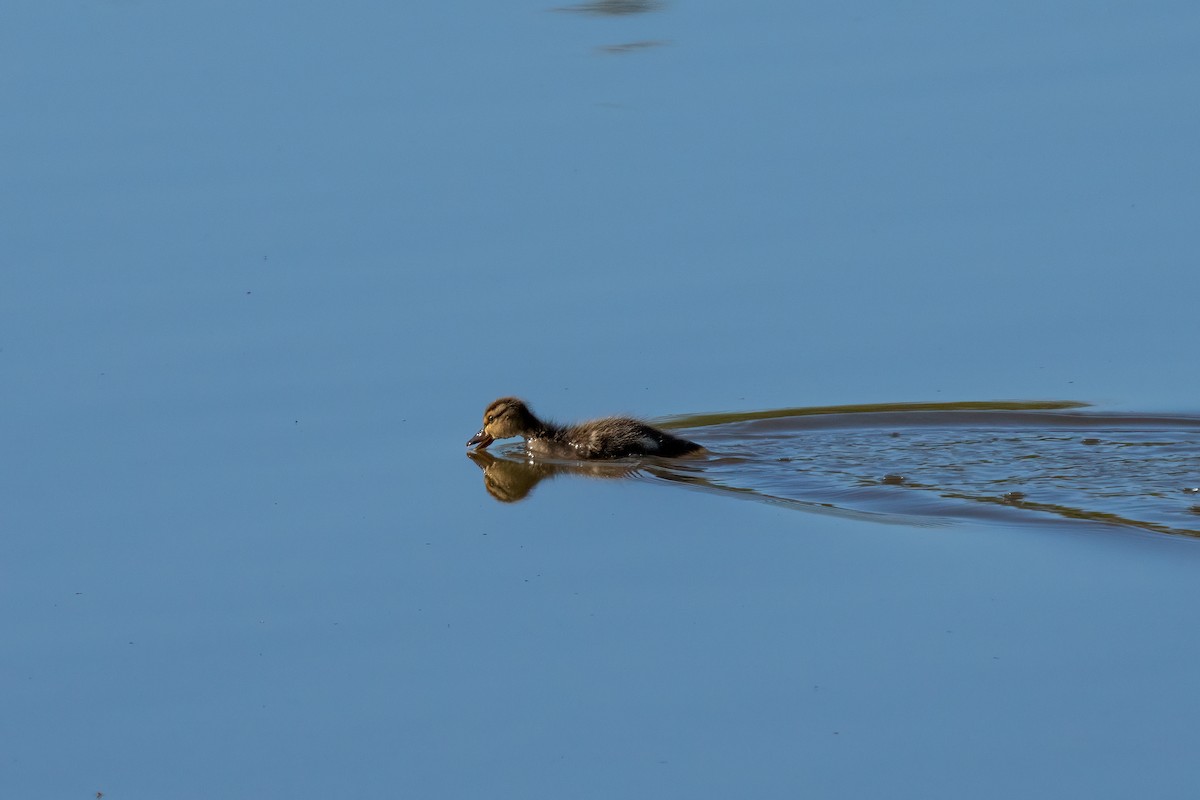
[263, 265]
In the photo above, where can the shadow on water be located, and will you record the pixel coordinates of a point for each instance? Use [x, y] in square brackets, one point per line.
[614, 8]
[619, 8]
[924, 463]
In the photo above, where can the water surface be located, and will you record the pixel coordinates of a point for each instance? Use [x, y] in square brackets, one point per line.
[265, 263]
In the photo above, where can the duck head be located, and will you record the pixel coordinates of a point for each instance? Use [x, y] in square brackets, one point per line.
[503, 419]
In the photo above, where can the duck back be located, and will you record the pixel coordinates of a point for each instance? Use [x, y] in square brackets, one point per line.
[612, 437]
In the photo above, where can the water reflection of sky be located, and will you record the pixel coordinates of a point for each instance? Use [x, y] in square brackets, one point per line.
[265, 265]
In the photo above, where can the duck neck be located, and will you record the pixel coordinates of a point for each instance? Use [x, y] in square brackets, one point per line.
[536, 429]
[542, 430]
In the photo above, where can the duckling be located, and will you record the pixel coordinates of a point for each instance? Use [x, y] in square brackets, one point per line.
[611, 437]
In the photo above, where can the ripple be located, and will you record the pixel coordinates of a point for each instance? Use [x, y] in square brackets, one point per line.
[1034, 461]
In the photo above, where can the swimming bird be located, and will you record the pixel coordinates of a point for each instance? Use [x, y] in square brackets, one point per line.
[611, 437]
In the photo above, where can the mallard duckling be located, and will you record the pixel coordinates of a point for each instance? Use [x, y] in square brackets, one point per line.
[611, 437]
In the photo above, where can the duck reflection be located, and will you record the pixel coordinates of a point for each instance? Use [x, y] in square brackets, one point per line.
[511, 480]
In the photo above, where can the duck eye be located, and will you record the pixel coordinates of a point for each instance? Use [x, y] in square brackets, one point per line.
[489, 419]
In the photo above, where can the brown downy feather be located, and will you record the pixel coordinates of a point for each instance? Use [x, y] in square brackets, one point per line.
[611, 437]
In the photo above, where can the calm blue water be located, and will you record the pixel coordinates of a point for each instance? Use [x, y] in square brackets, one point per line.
[264, 265]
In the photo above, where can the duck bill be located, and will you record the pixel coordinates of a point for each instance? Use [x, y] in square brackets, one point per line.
[481, 440]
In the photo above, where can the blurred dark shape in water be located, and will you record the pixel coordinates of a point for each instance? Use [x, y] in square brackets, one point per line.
[614, 8]
[629, 47]
[922, 463]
